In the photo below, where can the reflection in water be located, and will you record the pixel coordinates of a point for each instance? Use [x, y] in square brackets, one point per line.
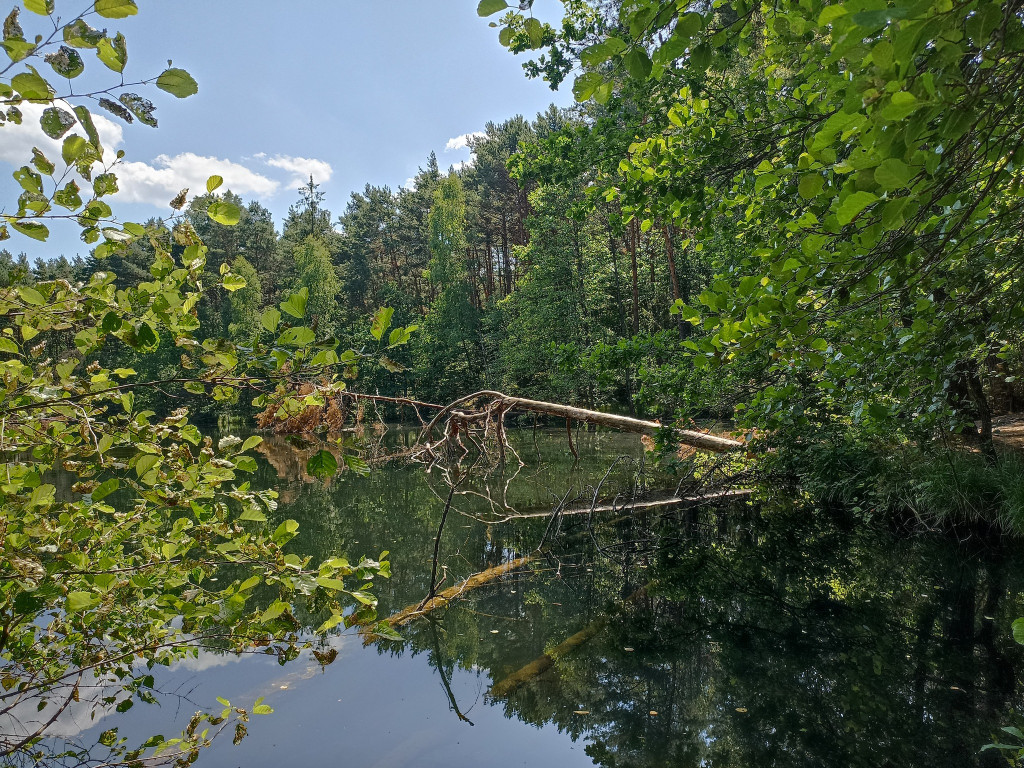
[759, 635]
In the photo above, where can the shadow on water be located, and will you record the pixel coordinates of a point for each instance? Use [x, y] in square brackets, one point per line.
[754, 635]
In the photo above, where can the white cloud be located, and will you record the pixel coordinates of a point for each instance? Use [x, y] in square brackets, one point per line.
[158, 182]
[462, 142]
[17, 141]
[301, 168]
[409, 183]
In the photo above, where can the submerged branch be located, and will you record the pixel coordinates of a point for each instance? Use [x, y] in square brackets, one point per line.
[442, 599]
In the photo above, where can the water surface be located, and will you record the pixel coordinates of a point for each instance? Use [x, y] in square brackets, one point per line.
[762, 634]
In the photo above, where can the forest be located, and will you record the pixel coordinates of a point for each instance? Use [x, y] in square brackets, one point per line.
[516, 279]
[796, 226]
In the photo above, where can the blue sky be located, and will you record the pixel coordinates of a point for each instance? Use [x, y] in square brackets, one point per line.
[355, 92]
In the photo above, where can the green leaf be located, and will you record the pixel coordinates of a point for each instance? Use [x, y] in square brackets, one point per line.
[253, 516]
[322, 464]
[113, 53]
[830, 13]
[73, 148]
[700, 57]
[233, 282]
[42, 7]
[116, 9]
[983, 22]
[328, 583]
[66, 62]
[1018, 630]
[56, 122]
[80, 601]
[331, 623]
[80, 35]
[270, 319]
[490, 7]
[42, 495]
[31, 296]
[810, 185]
[106, 184]
[177, 82]
[853, 205]
[297, 337]
[105, 488]
[597, 54]
[638, 63]
[32, 229]
[585, 85]
[28, 179]
[68, 197]
[213, 182]
[285, 532]
[42, 163]
[250, 442]
[381, 322]
[689, 24]
[145, 463]
[901, 105]
[32, 86]
[276, 609]
[878, 411]
[85, 119]
[893, 174]
[535, 30]
[148, 339]
[877, 18]
[892, 213]
[296, 304]
[224, 213]
[356, 464]
[140, 107]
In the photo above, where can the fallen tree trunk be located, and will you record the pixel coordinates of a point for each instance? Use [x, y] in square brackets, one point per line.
[493, 412]
[689, 437]
[499, 404]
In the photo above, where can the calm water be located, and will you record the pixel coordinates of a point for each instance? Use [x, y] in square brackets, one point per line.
[751, 636]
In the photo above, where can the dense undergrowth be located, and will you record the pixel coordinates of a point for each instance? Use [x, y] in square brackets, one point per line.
[930, 485]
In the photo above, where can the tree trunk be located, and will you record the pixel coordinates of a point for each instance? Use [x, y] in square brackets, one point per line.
[636, 280]
[500, 403]
[670, 252]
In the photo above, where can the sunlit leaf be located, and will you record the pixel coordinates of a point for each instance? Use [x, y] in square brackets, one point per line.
[177, 82]
[224, 213]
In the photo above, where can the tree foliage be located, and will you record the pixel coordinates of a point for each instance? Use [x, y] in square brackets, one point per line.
[126, 534]
[867, 155]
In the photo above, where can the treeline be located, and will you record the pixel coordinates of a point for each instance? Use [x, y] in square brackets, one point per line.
[516, 277]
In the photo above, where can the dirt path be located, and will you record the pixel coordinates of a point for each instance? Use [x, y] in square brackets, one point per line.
[1008, 431]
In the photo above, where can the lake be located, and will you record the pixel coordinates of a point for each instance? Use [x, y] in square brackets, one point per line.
[760, 633]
